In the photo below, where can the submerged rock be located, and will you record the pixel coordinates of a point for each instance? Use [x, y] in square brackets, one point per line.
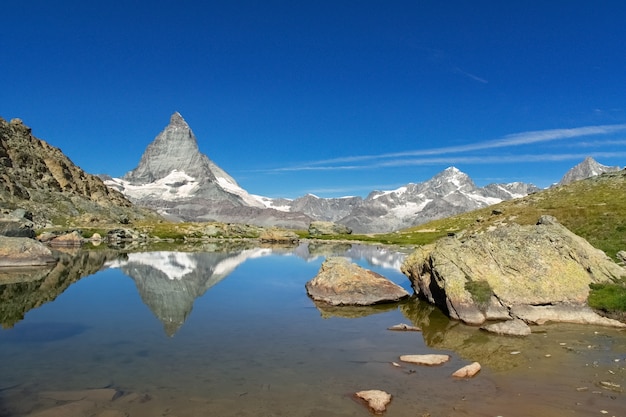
[510, 327]
[340, 282]
[377, 400]
[484, 276]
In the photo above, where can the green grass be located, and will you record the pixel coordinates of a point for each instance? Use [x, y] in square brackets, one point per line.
[608, 297]
[481, 293]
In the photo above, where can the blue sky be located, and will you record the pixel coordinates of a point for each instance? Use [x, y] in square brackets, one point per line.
[326, 97]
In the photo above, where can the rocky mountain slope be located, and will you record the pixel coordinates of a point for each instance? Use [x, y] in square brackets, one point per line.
[38, 177]
[174, 178]
[587, 168]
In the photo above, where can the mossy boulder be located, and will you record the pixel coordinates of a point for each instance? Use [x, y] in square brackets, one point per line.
[538, 265]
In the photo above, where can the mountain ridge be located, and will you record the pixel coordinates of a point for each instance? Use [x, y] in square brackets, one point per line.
[181, 194]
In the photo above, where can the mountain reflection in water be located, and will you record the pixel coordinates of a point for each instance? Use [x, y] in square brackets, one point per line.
[236, 334]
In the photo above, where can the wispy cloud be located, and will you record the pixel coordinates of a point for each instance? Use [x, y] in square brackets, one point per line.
[470, 75]
[513, 140]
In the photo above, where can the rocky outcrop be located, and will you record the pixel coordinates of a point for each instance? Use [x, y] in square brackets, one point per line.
[40, 179]
[340, 282]
[587, 168]
[274, 235]
[490, 276]
[320, 228]
[20, 252]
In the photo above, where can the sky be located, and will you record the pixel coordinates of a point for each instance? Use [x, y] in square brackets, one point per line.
[328, 97]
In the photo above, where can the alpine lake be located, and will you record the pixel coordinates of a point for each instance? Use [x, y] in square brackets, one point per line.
[229, 330]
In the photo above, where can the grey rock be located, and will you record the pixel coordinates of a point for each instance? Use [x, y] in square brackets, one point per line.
[587, 168]
[545, 264]
[20, 252]
[340, 282]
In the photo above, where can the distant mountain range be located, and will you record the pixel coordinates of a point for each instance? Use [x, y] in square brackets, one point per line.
[175, 179]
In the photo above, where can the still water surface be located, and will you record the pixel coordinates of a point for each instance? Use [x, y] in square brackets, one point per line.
[233, 333]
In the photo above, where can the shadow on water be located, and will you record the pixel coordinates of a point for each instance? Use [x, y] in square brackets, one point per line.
[41, 332]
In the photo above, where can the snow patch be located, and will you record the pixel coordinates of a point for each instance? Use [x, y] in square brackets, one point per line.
[409, 208]
[175, 186]
[231, 187]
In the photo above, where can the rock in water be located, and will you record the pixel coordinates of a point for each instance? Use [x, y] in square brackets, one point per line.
[340, 282]
[21, 251]
[429, 359]
[511, 266]
[467, 371]
[377, 400]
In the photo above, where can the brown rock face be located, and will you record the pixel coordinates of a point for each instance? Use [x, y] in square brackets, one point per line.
[39, 177]
[340, 282]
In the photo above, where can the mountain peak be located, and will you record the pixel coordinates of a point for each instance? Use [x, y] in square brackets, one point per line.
[177, 120]
[587, 168]
[175, 148]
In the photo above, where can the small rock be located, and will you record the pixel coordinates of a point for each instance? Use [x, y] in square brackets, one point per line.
[429, 359]
[467, 371]
[377, 400]
[405, 328]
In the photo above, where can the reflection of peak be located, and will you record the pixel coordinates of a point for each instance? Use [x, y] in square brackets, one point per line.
[175, 265]
[169, 282]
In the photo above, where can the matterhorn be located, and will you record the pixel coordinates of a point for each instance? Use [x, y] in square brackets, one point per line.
[179, 182]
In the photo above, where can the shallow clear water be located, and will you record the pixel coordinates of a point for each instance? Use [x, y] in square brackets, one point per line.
[235, 334]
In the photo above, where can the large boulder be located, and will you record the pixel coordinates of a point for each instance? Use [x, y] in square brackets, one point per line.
[321, 228]
[340, 282]
[496, 272]
[275, 235]
[21, 252]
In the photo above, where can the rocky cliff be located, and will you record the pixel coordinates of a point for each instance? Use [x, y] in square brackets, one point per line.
[38, 177]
